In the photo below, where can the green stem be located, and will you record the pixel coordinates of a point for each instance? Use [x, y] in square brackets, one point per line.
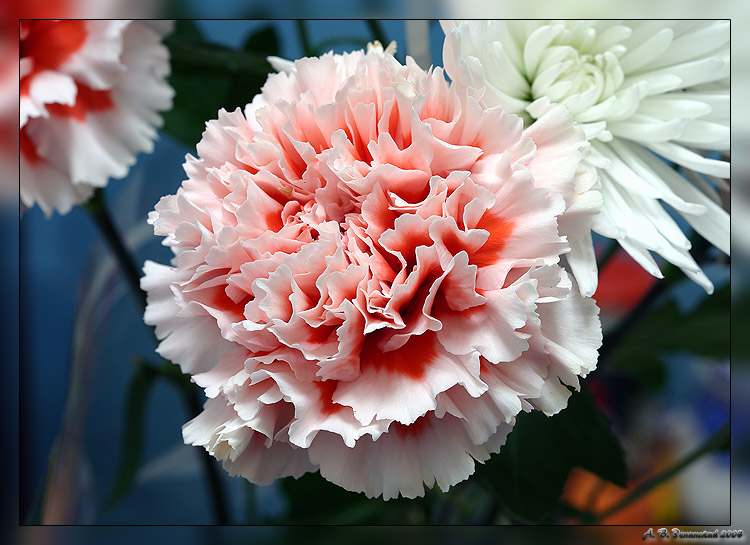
[207, 56]
[718, 441]
[305, 39]
[97, 208]
[377, 32]
[193, 399]
[251, 510]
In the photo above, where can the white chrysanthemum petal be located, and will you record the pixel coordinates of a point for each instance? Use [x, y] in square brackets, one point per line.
[716, 100]
[472, 69]
[628, 101]
[537, 42]
[671, 105]
[690, 159]
[611, 37]
[646, 51]
[713, 223]
[694, 43]
[648, 130]
[627, 165]
[646, 226]
[513, 80]
[688, 74]
[705, 135]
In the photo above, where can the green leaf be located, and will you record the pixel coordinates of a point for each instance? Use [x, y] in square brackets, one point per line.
[244, 86]
[311, 497]
[264, 41]
[529, 473]
[196, 101]
[187, 29]
[132, 435]
[192, 55]
[207, 77]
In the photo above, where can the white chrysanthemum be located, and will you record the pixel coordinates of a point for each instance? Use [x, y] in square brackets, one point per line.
[636, 87]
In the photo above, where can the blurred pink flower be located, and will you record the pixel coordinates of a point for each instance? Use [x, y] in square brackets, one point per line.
[366, 277]
[90, 93]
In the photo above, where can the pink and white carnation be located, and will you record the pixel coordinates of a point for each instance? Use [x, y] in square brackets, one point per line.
[90, 93]
[367, 277]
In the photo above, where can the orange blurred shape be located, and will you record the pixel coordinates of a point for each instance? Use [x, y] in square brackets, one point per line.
[590, 493]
